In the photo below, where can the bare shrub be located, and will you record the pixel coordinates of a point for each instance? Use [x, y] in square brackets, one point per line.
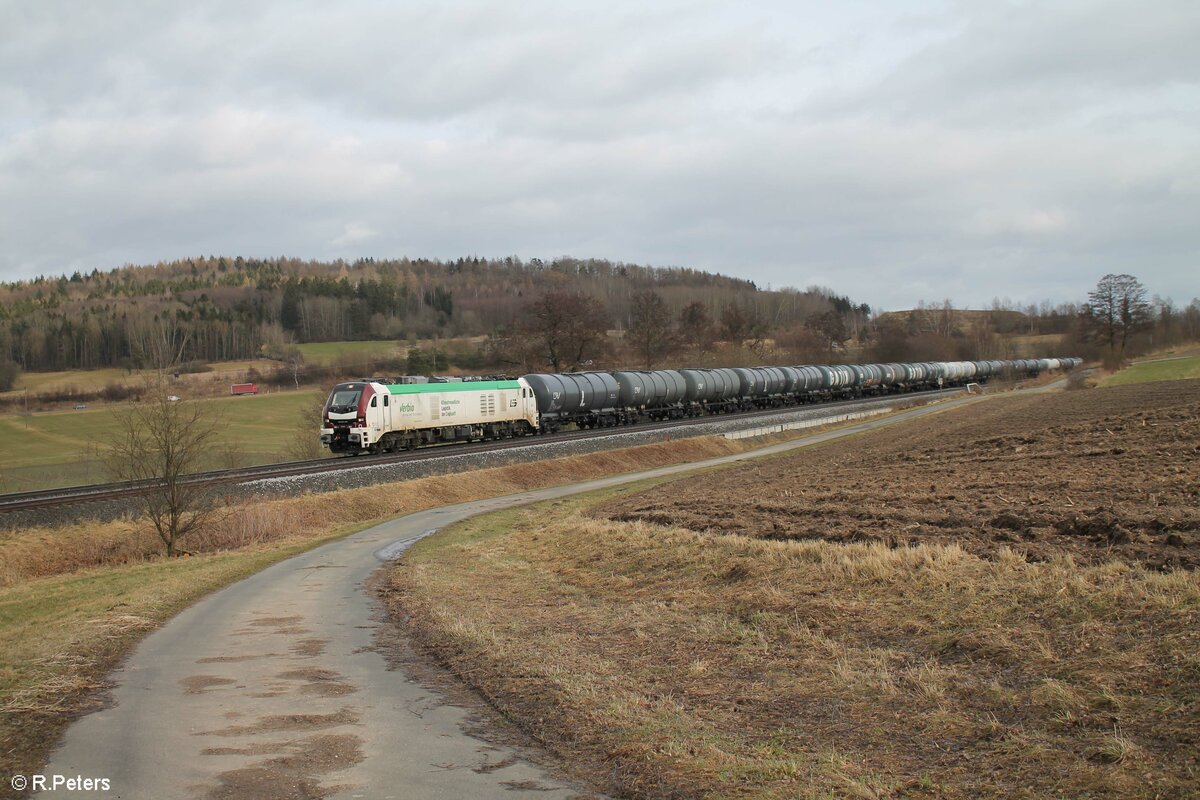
[159, 443]
[1078, 380]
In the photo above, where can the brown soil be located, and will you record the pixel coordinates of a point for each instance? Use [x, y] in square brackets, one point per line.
[290, 722]
[296, 774]
[1099, 475]
[309, 648]
[199, 684]
[234, 659]
[319, 682]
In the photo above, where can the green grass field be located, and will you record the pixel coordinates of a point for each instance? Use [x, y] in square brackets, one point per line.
[359, 352]
[63, 448]
[91, 380]
[330, 352]
[84, 380]
[1169, 369]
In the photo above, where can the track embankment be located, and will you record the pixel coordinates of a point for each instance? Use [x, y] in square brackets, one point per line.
[114, 501]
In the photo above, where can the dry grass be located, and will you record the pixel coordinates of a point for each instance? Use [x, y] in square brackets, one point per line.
[681, 664]
[75, 599]
[38, 552]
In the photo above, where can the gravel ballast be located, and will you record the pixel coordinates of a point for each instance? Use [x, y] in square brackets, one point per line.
[441, 463]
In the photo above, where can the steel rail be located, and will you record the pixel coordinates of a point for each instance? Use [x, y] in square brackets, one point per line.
[24, 501]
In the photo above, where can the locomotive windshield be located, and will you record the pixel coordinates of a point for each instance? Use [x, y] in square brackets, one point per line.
[344, 400]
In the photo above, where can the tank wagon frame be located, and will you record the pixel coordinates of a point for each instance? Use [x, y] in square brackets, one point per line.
[378, 414]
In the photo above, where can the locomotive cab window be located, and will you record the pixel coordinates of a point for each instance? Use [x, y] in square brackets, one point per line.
[344, 400]
[374, 402]
[385, 400]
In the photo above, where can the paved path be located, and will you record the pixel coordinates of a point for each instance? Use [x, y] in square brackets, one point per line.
[272, 687]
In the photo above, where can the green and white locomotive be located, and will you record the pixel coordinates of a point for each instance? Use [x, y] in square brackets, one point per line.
[378, 414]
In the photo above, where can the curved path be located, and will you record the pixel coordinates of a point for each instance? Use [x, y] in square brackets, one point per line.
[273, 687]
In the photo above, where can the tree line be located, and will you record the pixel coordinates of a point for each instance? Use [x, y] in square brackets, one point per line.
[216, 308]
[563, 315]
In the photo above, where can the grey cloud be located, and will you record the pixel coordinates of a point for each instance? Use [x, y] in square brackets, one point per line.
[1010, 65]
[964, 151]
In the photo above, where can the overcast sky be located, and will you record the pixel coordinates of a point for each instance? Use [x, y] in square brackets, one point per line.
[890, 150]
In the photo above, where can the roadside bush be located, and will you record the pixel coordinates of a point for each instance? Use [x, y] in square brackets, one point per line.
[1078, 380]
[115, 392]
[9, 372]
[192, 368]
[308, 373]
[65, 394]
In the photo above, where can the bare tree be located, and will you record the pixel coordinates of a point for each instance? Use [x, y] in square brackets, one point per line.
[280, 345]
[936, 318]
[158, 444]
[741, 324]
[513, 349]
[831, 330]
[1117, 308]
[651, 334]
[695, 327]
[305, 441]
[1190, 321]
[803, 345]
[158, 344]
[9, 372]
[569, 329]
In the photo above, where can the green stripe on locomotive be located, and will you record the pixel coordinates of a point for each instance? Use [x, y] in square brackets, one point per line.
[455, 386]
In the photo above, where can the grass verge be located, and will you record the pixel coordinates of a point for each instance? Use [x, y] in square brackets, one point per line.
[1166, 369]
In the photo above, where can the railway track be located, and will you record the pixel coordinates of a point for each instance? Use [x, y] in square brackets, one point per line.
[24, 501]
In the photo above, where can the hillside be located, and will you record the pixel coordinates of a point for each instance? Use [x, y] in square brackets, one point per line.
[218, 309]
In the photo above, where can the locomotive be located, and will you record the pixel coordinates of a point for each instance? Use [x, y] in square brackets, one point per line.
[380, 414]
[376, 415]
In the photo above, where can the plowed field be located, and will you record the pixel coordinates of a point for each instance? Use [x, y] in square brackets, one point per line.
[1100, 474]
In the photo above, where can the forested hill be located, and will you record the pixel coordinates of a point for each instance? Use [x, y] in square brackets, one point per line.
[220, 308]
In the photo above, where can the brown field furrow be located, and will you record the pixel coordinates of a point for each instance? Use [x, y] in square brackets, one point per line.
[1098, 475]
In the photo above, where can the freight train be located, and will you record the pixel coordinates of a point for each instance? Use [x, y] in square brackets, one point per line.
[377, 415]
